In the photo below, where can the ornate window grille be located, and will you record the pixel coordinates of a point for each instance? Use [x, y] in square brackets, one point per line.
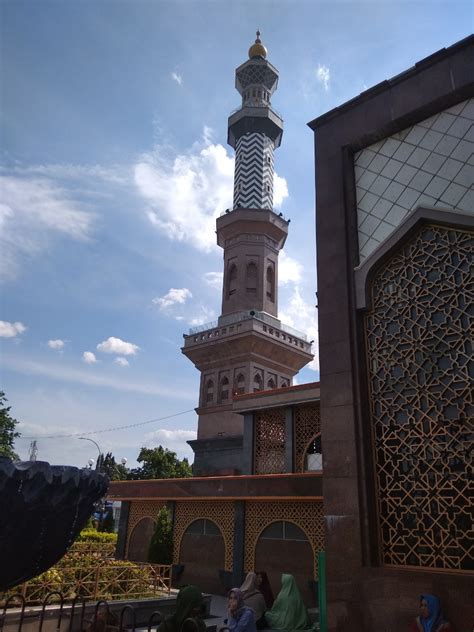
[307, 427]
[270, 441]
[419, 334]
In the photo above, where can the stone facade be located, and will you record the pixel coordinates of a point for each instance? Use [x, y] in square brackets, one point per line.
[224, 526]
[389, 191]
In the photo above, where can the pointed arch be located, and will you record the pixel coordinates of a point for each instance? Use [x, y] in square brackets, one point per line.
[257, 382]
[270, 277]
[224, 389]
[240, 384]
[251, 278]
[313, 460]
[209, 391]
[231, 280]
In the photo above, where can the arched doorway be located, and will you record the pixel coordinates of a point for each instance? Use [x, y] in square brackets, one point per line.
[139, 541]
[313, 461]
[295, 556]
[202, 552]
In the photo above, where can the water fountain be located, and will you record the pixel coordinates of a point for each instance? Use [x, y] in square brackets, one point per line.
[43, 508]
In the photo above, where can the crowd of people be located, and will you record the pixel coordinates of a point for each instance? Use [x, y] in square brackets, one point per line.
[252, 607]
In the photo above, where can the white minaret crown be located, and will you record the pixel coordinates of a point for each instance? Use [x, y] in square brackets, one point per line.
[255, 130]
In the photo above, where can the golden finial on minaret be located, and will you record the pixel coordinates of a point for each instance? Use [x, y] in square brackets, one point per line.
[257, 49]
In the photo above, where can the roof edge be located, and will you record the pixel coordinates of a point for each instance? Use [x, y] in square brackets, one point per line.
[388, 83]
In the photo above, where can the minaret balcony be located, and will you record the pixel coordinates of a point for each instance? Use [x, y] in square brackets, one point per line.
[260, 223]
[255, 120]
[233, 333]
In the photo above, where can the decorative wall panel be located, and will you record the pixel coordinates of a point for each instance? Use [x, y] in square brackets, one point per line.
[141, 509]
[308, 516]
[270, 441]
[220, 512]
[419, 335]
[427, 164]
[306, 426]
[253, 178]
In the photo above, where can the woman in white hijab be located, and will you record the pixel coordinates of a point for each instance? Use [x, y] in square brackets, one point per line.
[254, 599]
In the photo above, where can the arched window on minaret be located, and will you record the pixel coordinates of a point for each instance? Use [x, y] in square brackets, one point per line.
[209, 391]
[224, 394]
[251, 278]
[270, 283]
[257, 382]
[271, 383]
[232, 280]
[240, 384]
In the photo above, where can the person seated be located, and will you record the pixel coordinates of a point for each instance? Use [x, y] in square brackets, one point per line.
[189, 607]
[254, 599]
[431, 617]
[241, 618]
[263, 584]
[288, 611]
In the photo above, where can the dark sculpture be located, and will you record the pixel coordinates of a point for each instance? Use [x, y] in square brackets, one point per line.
[43, 508]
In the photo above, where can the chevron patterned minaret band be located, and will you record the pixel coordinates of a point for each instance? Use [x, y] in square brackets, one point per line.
[253, 180]
[255, 131]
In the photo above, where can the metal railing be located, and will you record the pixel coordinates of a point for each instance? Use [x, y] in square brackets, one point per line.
[241, 316]
[76, 615]
[101, 579]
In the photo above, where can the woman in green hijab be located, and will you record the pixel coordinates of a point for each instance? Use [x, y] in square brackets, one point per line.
[188, 609]
[288, 611]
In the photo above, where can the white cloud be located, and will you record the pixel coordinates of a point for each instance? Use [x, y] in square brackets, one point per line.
[117, 346]
[10, 330]
[280, 190]
[186, 192]
[88, 357]
[289, 270]
[32, 211]
[63, 373]
[57, 345]
[174, 440]
[175, 296]
[115, 174]
[214, 279]
[121, 361]
[177, 78]
[207, 314]
[323, 75]
[301, 315]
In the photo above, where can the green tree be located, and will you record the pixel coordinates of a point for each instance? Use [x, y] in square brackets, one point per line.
[115, 471]
[161, 543]
[160, 463]
[8, 432]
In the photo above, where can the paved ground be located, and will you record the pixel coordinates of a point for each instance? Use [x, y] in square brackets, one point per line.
[219, 609]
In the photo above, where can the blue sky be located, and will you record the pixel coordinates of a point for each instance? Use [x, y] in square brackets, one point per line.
[114, 166]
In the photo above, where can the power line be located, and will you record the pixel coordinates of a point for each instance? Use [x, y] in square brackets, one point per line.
[140, 423]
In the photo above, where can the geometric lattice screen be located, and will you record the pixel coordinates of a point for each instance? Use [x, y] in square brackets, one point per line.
[419, 336]
[140, 509]
[270, 441]
[308, 516]
[221, 512]
[306, 426]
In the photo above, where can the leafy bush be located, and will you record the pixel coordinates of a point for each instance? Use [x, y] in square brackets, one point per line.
[91, 535]
[161, 544]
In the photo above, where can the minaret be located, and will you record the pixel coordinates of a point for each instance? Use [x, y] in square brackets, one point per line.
[247, 349]
[255, 130]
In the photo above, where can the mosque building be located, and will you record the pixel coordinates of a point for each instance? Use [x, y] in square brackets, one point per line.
[257, 469]
[386, 436]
